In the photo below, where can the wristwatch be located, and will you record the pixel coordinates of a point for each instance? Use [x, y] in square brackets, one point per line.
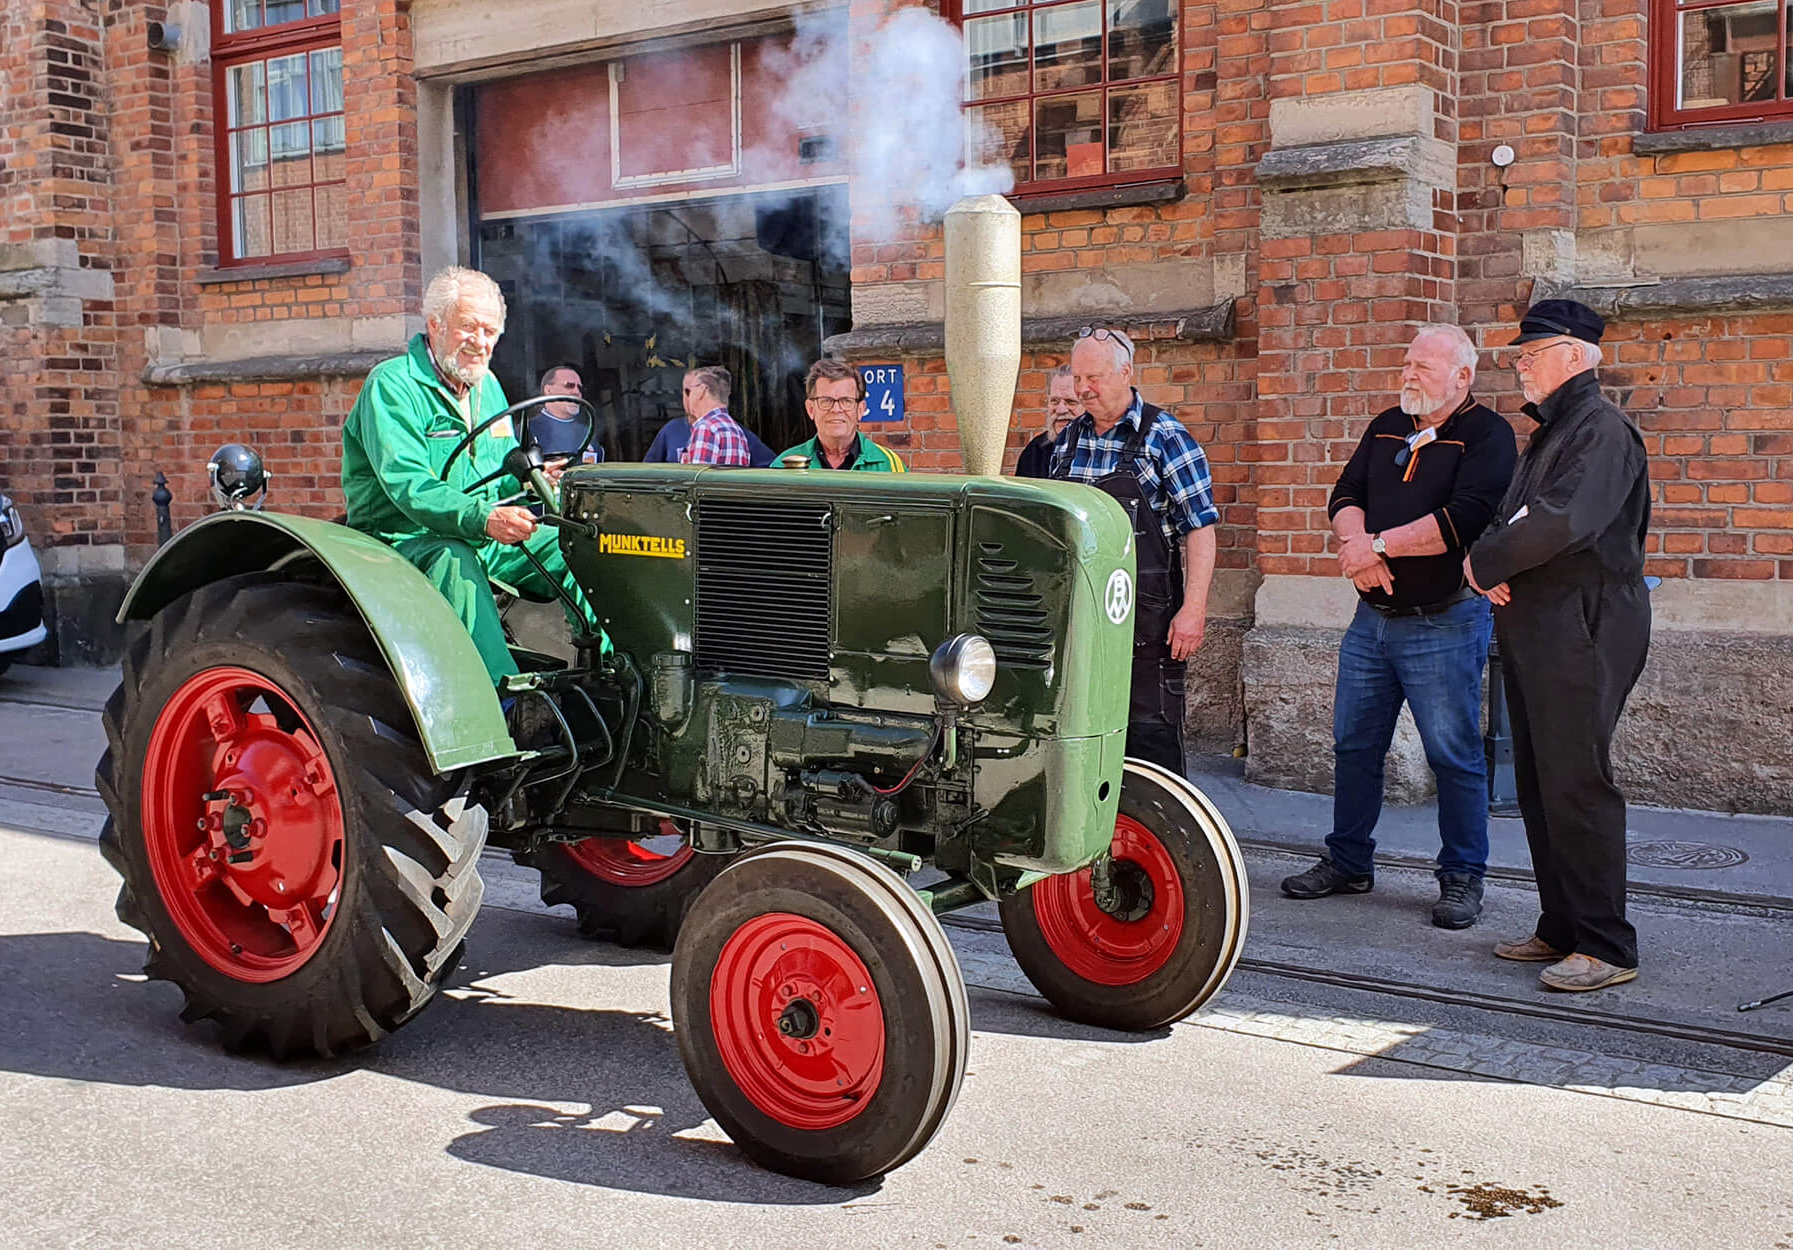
[1378, 546]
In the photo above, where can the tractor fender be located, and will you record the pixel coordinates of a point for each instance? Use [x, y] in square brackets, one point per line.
[429, 651]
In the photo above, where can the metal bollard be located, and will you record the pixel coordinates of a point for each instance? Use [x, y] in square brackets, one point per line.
[1497, 743]
[162, 497]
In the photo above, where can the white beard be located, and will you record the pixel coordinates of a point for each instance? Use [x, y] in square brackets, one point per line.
[1417, 407]
[466, 375]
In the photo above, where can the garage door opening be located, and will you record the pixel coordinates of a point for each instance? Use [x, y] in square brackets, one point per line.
[633, 296]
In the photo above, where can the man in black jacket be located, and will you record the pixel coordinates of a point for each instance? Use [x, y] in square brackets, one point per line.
[1563, 564]
[1061, 409]
[1420, 487]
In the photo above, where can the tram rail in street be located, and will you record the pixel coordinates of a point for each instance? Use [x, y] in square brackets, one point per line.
[1582, 1016]
[50, 787]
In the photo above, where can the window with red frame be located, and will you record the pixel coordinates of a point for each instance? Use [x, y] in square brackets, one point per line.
[1074, 93]
[280, 129]
[1719, 62]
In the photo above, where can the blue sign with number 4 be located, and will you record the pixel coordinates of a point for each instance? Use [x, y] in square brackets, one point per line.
[883, 392]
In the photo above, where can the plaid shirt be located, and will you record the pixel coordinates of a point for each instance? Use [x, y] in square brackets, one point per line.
[717, 438]
[1173, 470]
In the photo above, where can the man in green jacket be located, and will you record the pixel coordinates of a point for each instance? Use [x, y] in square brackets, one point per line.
[413, 411]
[836, 401]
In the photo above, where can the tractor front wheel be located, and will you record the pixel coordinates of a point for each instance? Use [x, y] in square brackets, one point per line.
[299, 869]
[1170, 934]
[820, 1012]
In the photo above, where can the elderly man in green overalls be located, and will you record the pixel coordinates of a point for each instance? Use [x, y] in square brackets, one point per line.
[413, 411]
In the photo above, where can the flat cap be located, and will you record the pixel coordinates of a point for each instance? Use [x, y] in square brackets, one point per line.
[1554, 317]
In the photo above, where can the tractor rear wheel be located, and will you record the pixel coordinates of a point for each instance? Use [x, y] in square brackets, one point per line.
[301, 873]
[633, 892]
[1172, 934]
[820, 1012]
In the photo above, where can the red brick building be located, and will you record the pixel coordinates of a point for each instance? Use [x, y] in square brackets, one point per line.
[217, 217]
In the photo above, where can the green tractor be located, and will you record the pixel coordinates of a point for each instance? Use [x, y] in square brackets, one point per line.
[818, 684]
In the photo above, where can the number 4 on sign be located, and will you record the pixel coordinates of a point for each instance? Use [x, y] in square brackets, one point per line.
[883, 392]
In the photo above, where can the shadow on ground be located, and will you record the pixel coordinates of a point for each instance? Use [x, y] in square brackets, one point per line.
[78, 1011]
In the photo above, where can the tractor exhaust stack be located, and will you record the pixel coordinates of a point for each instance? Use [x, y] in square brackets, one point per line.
[983, 324]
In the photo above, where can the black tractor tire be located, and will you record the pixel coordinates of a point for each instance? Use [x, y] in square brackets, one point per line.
[401, 845]
[798, 945]
[632, 902]
[1178, 943]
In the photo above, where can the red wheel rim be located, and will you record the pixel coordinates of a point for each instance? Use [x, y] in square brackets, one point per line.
[822, 1069]
[243, 824]
[621, 862]
[1102, 948]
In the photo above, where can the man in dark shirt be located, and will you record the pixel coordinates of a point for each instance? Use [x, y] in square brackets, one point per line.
[559, 429]
[1420, 487]
[1563, 563]
[1061, 409]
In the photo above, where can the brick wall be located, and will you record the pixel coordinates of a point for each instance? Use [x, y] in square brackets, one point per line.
[1714, 398]
[295, 425]
[168, 221]
[60, 436]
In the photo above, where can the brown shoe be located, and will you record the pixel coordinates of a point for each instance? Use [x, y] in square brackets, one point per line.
[1584, 972]
[1531, 950]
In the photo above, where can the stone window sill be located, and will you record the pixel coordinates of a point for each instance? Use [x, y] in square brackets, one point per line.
[1761, 292]
[1101, 197]
[1714, 138]
[345, 364]
[214, 275]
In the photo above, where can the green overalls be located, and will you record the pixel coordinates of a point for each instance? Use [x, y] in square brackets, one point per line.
[396, 439]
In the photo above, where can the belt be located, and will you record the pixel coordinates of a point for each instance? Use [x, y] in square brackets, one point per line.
[1427, 609]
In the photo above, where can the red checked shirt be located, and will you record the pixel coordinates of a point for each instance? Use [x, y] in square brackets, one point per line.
[717, 438]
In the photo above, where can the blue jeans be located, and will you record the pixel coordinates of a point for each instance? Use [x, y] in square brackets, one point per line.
[1434, 663]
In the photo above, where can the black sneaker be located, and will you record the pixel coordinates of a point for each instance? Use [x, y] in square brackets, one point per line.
[1323, 879]
[1459, 901]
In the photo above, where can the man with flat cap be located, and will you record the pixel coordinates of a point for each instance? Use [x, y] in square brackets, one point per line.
[1563, 564]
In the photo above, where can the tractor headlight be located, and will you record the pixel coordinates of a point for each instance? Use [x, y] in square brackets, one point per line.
[963, 669]
[12, 526]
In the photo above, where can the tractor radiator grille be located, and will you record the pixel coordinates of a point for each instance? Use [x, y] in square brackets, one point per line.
[1010, 612]
[765, 576]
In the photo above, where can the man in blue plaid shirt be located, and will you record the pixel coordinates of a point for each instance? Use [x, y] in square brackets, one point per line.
[716, 437]
[1141, 455]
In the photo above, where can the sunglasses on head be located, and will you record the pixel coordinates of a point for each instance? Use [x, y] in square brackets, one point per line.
[1103, 334]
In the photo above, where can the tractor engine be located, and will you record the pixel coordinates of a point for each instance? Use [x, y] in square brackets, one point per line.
[911, 661]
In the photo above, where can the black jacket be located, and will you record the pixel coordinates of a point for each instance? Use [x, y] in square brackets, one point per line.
[1036, 458]
[1584, 485]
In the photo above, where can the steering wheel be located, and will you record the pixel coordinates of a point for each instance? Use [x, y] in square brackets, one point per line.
[527, 449]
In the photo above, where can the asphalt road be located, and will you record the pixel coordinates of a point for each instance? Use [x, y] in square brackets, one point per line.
[541, 1101]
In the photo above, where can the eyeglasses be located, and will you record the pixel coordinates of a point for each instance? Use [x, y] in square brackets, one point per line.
[1103, 334]
[1524, 359]
[833, 405]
